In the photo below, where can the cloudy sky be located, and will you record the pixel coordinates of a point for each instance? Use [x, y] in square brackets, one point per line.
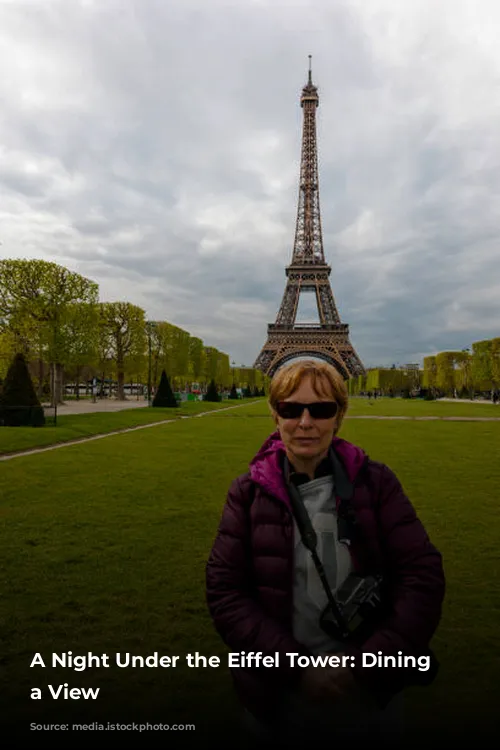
[153, 146]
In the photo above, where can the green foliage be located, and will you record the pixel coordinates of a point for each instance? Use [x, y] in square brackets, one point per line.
[9, 346]
[36, 295]
[164, 396]
[385, 380]
[170, 349]
[37, 302]
[81, 327]
[212, 394]
[445, 376]
[373, 380]
[495, 361]
[196, 355]
[211, 363]
[53, 315]
[123, 337]
[430, 373]
[481, 364]
[19, 404]
[463, 374]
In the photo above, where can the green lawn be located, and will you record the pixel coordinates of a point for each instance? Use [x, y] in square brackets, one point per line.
[74, 427]
[78, 426]
[104, 544]
[403, 407]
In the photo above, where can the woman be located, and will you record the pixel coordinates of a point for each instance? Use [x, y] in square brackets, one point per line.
[271, 578]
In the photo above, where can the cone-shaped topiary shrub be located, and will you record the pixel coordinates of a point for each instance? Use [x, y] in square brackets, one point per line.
[212, 394]
[19, 404]
[164, 395]
[234, 392]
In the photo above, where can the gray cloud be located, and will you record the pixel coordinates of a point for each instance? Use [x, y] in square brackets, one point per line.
[154, 147]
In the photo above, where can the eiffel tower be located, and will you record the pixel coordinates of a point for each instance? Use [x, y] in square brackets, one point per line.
[308, 272]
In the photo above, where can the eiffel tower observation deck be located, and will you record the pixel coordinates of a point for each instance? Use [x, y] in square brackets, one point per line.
[308, 272]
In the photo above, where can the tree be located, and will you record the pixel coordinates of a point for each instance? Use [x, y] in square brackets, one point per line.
[482, 375]
[495, 362]
[123, 326]
[211, 363]
[8, 350]
[445, 364]
[82, 331]
[463, 382]
[181, 348]
[196, 358]
[430, 374]
[170, 350]
[35, 296]
[164, 396]
[212, 394]
[19, 404]
[224, 370]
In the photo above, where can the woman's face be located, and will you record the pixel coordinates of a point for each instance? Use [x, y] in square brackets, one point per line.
[307, 440]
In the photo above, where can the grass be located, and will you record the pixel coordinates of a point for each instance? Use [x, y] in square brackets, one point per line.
[74, 427]
[78, 426]
[103, 548]
[401, 407]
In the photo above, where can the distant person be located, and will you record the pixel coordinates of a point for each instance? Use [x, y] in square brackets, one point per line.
[265, 594]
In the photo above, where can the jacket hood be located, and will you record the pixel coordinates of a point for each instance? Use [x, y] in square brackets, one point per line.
[266, 466]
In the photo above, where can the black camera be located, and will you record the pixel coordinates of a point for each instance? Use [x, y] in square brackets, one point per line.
[358, 605]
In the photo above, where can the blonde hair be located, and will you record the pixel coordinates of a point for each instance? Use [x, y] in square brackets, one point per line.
[325, 380]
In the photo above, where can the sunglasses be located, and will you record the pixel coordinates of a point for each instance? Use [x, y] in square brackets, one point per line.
[317, 410]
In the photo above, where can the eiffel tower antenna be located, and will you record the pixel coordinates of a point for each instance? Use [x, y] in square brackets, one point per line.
[308, 272]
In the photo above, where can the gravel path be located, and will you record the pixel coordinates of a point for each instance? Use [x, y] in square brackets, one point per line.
[87, 406]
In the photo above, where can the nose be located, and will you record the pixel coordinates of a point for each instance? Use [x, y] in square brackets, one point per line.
[306, 420]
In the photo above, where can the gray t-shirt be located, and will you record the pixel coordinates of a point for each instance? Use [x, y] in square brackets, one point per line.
[308, 595]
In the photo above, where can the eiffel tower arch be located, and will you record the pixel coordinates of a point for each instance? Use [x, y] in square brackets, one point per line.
[308, 272]
[281, 358]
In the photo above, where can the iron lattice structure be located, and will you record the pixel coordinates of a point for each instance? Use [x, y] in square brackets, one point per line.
[308, 272]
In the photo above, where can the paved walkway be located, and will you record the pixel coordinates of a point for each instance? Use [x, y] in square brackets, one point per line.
[86, 405]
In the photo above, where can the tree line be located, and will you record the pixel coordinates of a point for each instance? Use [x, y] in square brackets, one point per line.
[464, 373]
[53, 316]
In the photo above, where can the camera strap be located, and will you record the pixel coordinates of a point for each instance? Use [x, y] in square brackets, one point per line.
[308, 534]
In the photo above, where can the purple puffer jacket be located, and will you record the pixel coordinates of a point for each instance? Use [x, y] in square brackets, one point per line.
[249, 573]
